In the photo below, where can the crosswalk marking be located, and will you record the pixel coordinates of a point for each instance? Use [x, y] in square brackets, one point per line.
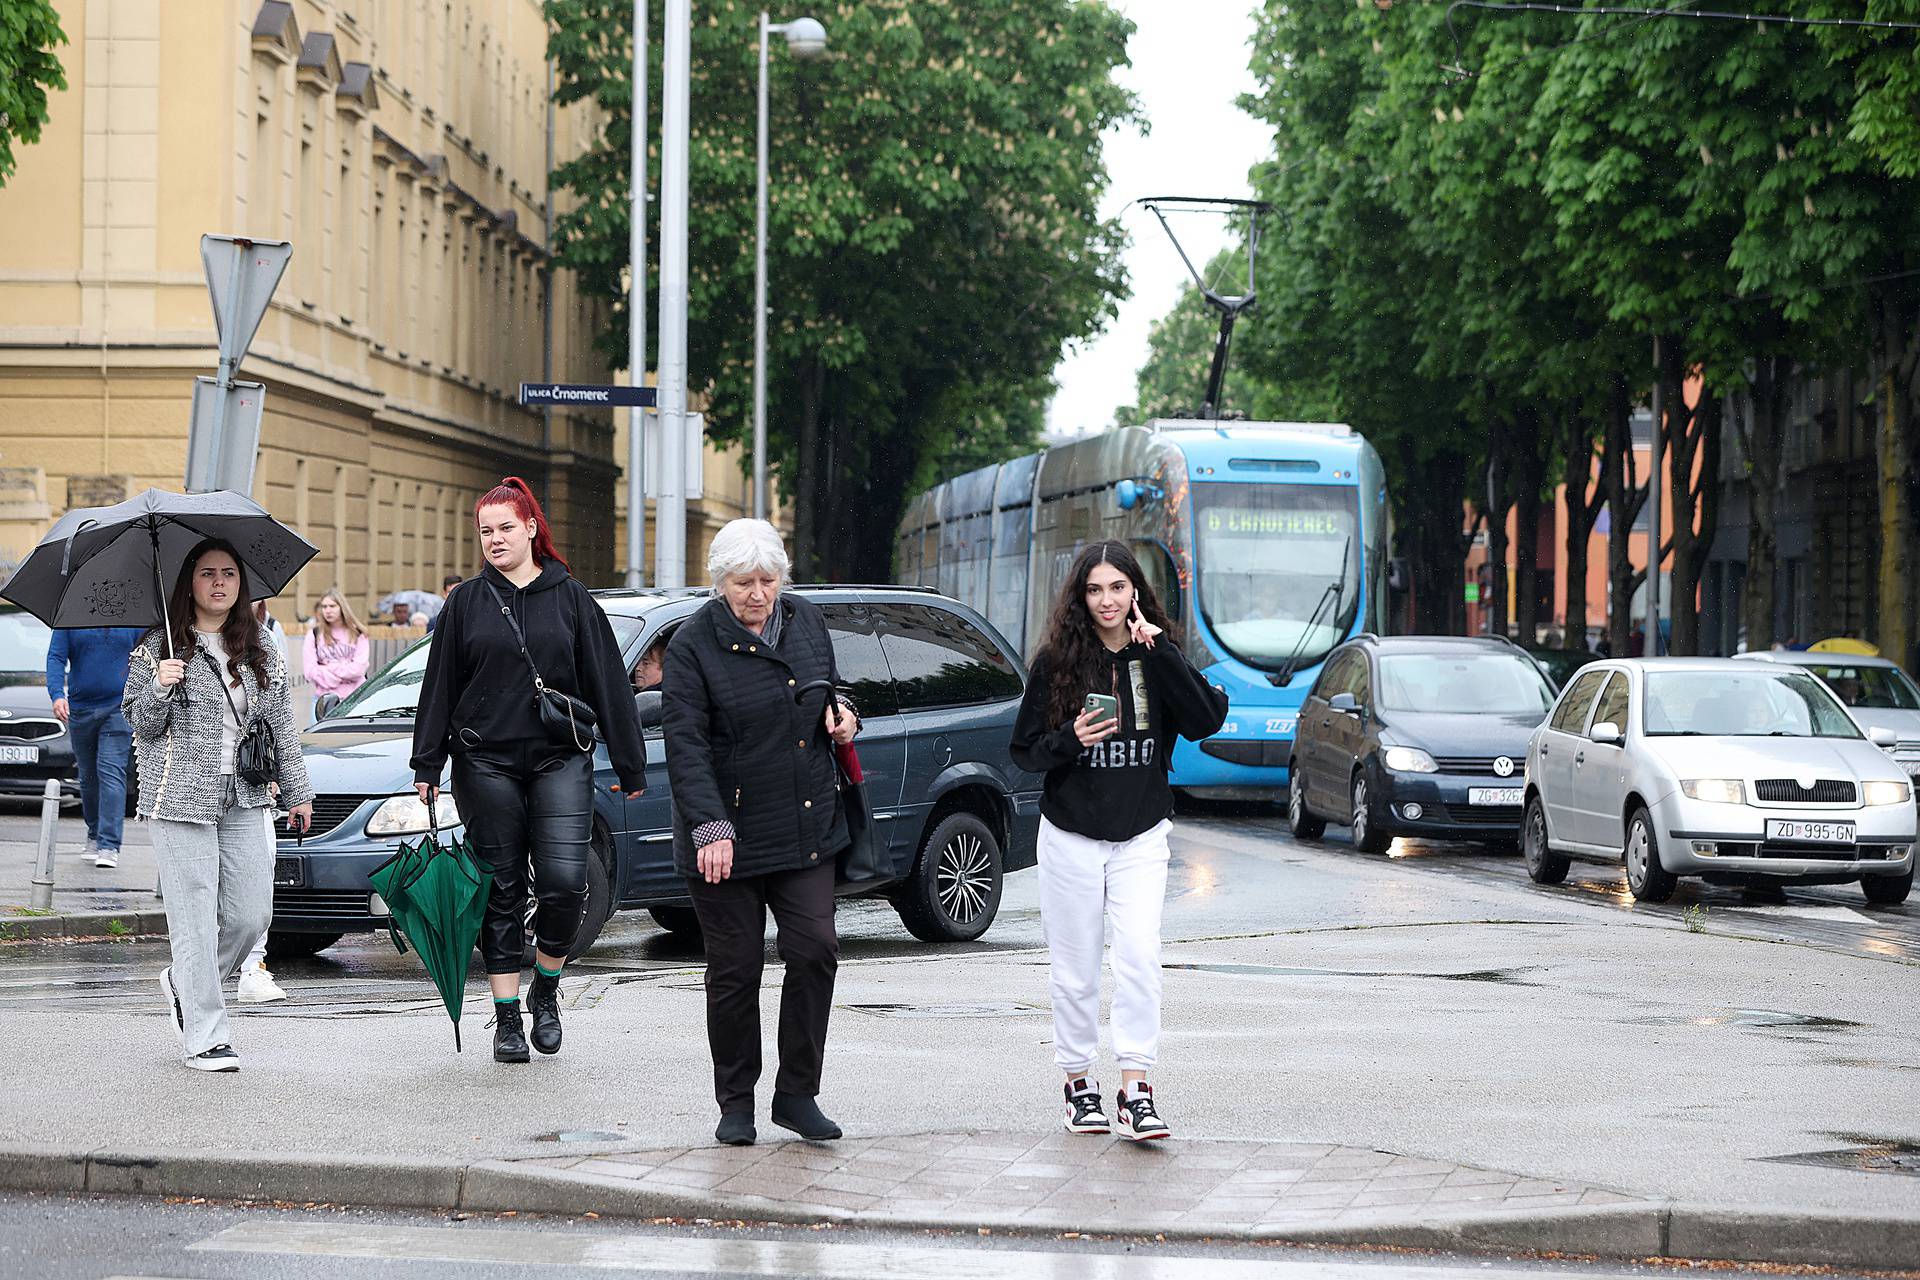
[824, 1260]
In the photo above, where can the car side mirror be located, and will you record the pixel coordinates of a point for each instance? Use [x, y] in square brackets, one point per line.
[1884, 738]
[653, 711]
[1606, 733]
[1345, 703]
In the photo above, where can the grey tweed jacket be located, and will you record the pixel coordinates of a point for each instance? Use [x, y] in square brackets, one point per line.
[176, 737]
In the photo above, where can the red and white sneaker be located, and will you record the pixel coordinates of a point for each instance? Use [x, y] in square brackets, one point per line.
[1084, 1112]
[1139, 1122]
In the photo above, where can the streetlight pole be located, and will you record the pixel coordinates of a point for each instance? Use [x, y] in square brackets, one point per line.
[806, 38]
[637, 309]
[1650, 647]
[670, 511]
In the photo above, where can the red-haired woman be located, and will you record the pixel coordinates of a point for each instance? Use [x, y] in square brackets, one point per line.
[523, 781]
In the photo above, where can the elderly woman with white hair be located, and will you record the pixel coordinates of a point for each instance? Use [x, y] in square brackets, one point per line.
[757, 818]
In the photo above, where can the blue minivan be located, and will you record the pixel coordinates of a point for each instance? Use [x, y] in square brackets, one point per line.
[937, 689]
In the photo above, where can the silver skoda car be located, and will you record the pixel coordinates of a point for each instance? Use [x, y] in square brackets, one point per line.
[1738, 772]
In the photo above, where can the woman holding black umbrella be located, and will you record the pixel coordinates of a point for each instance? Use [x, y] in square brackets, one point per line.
[214, 732]
[523, 669]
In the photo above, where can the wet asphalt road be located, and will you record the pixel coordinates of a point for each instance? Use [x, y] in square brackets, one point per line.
[1236, 872]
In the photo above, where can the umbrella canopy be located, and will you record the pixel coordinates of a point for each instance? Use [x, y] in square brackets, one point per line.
[113, 566]
[436, 895]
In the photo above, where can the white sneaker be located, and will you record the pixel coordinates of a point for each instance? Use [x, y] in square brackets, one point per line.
[258, 987]
[219, 1058]
[106, 858]
[90, 848]
[173, 1004]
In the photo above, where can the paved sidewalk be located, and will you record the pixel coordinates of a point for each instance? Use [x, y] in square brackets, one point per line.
[88, 901]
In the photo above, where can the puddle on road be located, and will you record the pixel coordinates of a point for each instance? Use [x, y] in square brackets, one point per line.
[1505, 977]
[1763, 1018]
[1873, 1155]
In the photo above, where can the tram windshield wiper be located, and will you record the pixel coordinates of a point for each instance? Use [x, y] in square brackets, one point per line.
[1330, 598]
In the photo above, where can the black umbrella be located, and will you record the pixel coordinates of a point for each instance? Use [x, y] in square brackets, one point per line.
[113, 566]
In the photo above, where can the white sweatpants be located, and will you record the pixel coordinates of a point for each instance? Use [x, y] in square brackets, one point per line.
[1083, 884]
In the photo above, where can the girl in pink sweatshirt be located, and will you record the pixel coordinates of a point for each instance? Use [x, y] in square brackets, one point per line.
[335, 653]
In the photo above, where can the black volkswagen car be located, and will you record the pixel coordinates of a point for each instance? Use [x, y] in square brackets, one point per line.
[34, 745]
[937, 689]
[1417, 736]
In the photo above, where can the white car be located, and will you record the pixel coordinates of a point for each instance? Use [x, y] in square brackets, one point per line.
[1740, 772]
[1877, 694]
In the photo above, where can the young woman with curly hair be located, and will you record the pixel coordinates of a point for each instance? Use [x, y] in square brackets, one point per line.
[1105, 815]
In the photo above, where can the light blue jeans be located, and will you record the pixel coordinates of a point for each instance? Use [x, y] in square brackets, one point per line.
[102, 740]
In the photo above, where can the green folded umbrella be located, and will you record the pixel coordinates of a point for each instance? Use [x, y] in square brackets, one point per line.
[436, 895]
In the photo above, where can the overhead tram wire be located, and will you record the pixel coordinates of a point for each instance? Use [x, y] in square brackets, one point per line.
[1634, 11]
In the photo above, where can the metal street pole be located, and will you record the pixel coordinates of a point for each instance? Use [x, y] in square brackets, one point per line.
[760, 298]
[670, 511]
[637, 309]
[1651, 647]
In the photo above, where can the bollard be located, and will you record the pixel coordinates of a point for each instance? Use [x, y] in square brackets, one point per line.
[49, 828]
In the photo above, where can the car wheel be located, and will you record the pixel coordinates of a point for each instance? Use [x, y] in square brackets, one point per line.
[1300, 819]
[682, 922]
[1887, 891]
[1369, 836]
[953, 892]
[594, 911]
[1543, 864]
[1649, 881]
[284, 946]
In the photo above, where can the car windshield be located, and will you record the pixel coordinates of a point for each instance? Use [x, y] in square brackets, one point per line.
[1267, 554]
[23, 645]
[394, 691]
[1561, 664]
[1739, 704]
[1881, 688]
[1469, 682]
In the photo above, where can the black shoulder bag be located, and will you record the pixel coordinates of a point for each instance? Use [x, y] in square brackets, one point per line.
[567, 720]
[255, 758]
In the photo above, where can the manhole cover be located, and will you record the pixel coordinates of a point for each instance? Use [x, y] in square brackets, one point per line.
[1291, 971]
[980, 1009]
[1740, 1018]
[582, 1135]
[1879, 1157]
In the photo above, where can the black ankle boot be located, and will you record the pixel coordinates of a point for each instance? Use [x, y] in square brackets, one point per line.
[543, 1002]
[802, 1114]
[509, 1035]
[736, 1129]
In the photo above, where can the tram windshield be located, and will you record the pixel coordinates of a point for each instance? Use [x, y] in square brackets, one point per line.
[1266, 558]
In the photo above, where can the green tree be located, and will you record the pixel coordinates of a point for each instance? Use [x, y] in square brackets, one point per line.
[29, 33]
[1180, 346]
[934, 236]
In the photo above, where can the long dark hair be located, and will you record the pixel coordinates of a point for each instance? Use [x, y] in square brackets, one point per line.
[517, 496]
[1076, 661]
[240, 633]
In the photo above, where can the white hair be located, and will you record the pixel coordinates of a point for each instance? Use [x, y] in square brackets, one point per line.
[747, 546]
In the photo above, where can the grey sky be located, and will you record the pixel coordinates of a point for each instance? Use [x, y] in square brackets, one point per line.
[1189, 66]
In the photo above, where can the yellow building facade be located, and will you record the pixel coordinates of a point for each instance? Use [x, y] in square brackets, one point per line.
[403, 147]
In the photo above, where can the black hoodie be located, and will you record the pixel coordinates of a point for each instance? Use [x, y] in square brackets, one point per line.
[478, 693]
[1117, 789]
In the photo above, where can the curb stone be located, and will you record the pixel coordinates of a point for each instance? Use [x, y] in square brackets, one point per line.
[82, 924]
[1765, 1234]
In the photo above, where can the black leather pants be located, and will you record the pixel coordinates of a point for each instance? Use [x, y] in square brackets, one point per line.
[525, 802]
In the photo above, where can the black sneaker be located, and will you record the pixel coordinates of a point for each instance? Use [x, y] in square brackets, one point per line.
[1084, 1112]
[173, 1005]
[1139, 1122]
[219, 1058]
[543, 1004]
[802, 1115]
[509, 1033]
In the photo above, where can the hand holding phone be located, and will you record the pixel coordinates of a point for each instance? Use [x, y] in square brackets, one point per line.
[1099, 719]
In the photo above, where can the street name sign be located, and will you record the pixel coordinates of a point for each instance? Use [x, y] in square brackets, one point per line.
[539, 395]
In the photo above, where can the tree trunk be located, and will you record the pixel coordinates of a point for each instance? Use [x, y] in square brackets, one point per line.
[1494, 504]
[1434, 545]
[1894, 454]
[1760, 441]
[1696, 509]
[1624, 496]
[1526, 531]
[1583, 498]
[806, 510]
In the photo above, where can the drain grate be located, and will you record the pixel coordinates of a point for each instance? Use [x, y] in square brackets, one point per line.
[1764, 1018]
[1505, 976]
[1878, 1157]
[978, 1009]
[583, 1135]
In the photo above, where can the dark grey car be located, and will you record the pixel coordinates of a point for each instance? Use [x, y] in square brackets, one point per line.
[937, 689]
[34, 745]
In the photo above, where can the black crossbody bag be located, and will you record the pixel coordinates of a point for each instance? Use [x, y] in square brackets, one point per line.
[568, 721]
[255, 758]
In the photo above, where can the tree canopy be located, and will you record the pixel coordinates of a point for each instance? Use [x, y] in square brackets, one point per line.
[29, 69]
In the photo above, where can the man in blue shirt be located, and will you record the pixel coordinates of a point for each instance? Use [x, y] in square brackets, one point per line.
[86, 676]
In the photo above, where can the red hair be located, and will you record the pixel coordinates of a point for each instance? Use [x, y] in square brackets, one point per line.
[514, 494]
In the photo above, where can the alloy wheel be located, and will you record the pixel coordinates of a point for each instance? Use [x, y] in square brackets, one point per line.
[1360, 811]
[964, 877]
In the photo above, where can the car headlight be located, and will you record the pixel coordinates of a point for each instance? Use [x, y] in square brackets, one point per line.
[1715, 790]
[1410, 760]
[1885, 793]
[405, 815]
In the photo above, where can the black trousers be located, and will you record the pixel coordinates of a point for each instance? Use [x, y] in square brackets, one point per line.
[528, 804]
[733, 919]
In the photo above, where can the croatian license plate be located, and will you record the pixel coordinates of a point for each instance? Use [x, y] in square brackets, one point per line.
[19, 755]
[1809, 832]
[291, 872]
[1507, 796]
